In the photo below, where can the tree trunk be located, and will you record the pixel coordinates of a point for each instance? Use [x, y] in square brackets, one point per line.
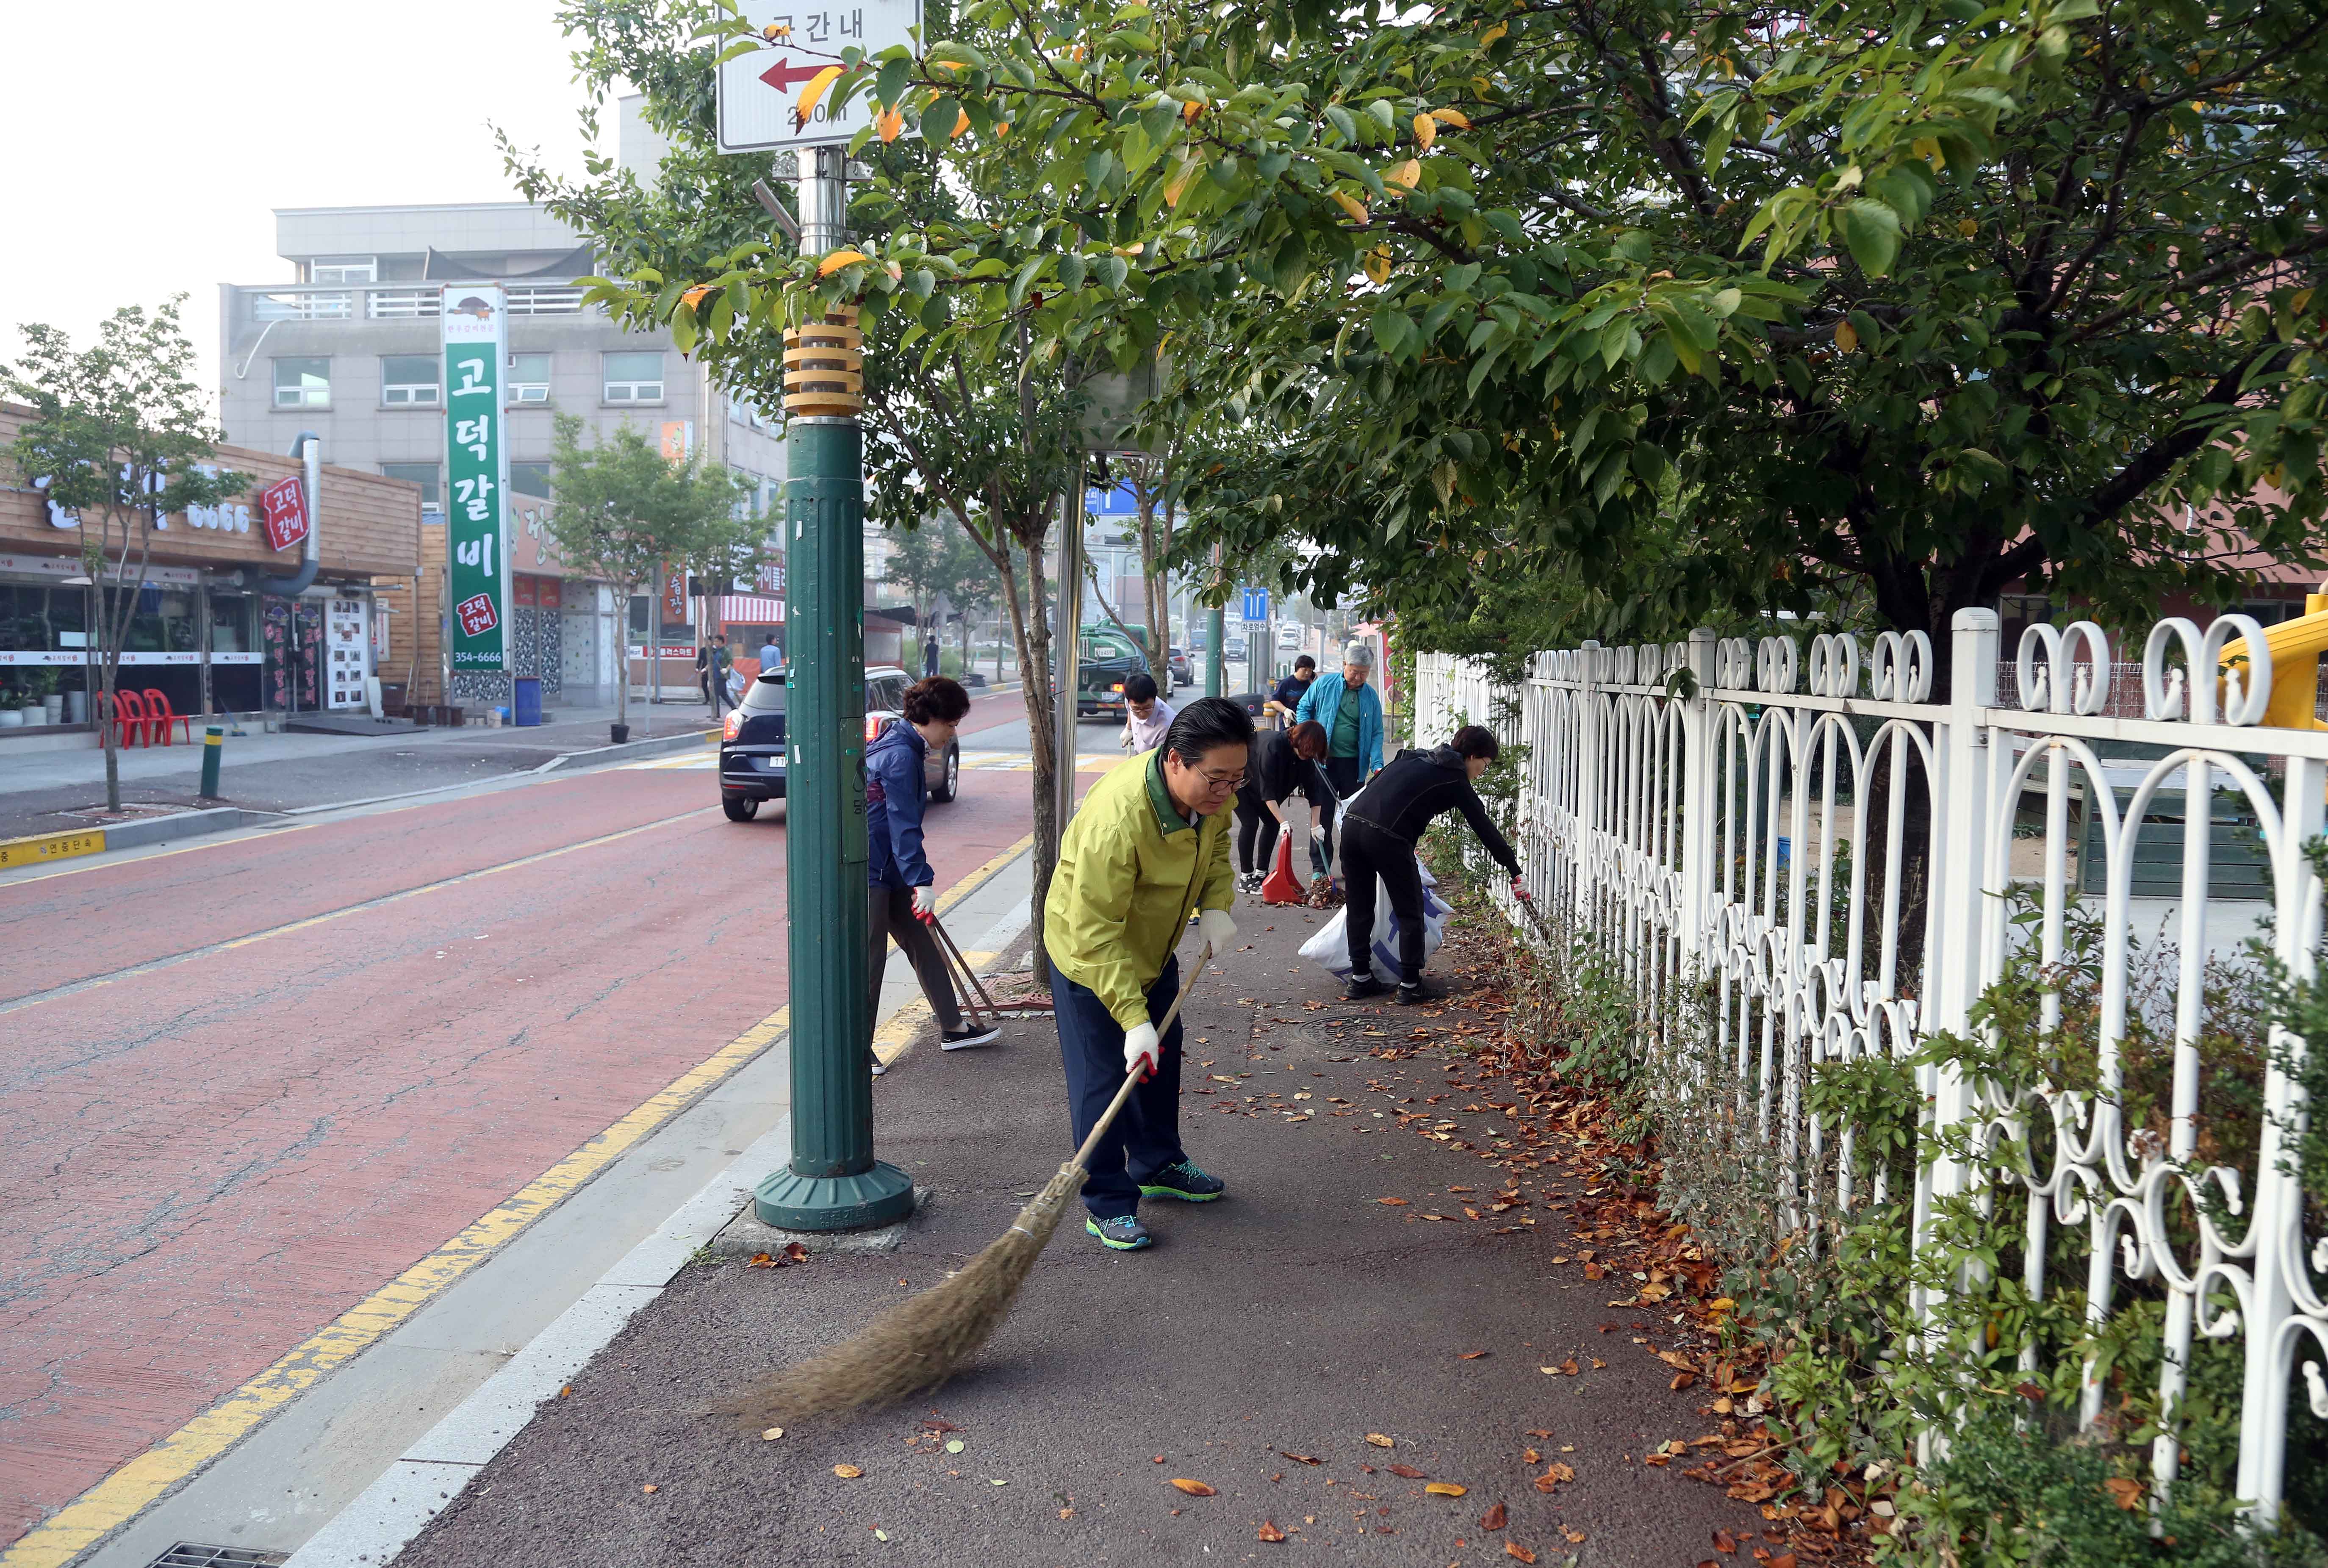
[1030, 626]
[109, 679]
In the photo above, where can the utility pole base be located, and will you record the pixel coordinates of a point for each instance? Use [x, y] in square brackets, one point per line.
[790, 1201]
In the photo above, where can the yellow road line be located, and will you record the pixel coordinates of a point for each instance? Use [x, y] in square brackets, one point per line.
[143, 1480]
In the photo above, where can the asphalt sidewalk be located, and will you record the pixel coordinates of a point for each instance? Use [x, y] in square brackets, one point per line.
[1311, 1353]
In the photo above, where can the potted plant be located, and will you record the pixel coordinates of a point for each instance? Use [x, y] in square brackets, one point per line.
[41, 686]
[12, 714]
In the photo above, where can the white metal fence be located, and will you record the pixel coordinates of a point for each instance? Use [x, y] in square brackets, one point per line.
[1851, 864]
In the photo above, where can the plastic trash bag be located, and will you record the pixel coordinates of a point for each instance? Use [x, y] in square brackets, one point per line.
[1329, 948]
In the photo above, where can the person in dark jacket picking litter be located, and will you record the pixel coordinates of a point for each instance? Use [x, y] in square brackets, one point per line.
[1285, 763]
[904, 887]
[1380, 829]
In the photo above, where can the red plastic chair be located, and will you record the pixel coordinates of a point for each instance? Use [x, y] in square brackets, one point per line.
[159, 717]
[129, 712]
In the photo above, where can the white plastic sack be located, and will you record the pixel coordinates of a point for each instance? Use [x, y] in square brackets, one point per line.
[1329, 948]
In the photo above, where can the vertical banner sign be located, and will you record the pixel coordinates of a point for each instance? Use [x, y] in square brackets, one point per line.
[476, 458]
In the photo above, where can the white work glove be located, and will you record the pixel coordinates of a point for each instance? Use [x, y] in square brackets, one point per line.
[1217, 929]
[925, 902]
[1140, 1051]
[1519, 889]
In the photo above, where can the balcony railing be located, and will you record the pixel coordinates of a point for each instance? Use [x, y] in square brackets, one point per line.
[393, 301]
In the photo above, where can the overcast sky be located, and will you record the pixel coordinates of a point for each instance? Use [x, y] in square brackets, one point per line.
[149, 142]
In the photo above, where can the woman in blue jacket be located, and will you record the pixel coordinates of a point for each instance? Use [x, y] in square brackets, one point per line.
[904, 887]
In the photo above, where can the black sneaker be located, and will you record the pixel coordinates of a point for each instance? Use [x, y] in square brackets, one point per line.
[1124, 1234]
[969, 1034]
[1360, 986]
[1184, 1181]
[1411, 991]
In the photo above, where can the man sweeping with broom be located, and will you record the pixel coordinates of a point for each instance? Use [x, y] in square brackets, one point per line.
[1148, 848]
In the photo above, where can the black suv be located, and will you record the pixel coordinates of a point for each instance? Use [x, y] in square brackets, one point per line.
[752, 745]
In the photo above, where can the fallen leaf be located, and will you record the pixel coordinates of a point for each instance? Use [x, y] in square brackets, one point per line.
[1682, 1380]
[1194, 1488]
[954, 1445]
[1723, 1540]
[992, 1482]
[773, 1433]
[1270, 1531]
[566, 1391]
[1302, 1458]
[1409, 1471]
[1470, 1356]
[1576, 1537]
[1783, 1560]
[648, 1487]
[1569, 1366]
[1529, 1456]
[1513, 1549]
[1067, 1513]
[880, 1533]
[1392, 1201]
[1379, 1441]
[1493, 1519]
[1445, 1489]
[2126, 1489]
[847, 1472]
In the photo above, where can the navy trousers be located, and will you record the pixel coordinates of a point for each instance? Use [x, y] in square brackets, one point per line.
[1146, 1137]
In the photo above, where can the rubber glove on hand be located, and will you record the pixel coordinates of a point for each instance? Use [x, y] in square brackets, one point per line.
[1140, 1051]
[1519, 890]
[925, 902]
[1217, 929]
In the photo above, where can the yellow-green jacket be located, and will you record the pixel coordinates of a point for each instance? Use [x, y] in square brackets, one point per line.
[1132, 871]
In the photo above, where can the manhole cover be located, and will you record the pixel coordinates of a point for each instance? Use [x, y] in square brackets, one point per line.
[187, 1555]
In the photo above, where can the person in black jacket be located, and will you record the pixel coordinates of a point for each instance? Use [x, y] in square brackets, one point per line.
[1285, 762]
[1380, 829]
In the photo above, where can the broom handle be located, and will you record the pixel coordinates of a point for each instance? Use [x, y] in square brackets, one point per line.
[1131, 1080]
[963, 964]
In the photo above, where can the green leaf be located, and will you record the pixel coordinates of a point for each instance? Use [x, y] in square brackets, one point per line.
[1871, 230]
[891, 82]
[1339, 119]
[1026, 279]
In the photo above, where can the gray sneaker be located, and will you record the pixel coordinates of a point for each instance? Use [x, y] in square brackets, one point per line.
[1124, 1234]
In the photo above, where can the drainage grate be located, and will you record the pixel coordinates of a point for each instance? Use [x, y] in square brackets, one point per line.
[188, 1555]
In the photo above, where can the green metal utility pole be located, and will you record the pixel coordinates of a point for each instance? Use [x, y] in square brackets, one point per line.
[833, 1182]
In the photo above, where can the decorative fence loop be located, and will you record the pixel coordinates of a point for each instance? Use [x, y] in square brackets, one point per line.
[1900, 670]
[1774, 665]
[1835, 664]
[2052, 679]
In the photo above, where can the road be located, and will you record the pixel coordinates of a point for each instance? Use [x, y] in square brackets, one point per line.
[251, 1081]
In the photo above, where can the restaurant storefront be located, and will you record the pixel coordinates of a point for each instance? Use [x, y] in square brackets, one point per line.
[202, 636]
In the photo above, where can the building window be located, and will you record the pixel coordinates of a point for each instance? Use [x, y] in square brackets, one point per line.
[409, 381]
[528, 378]
[634, 378]
[530, 479]
[423, 475]
[303, 383]
[2271, 611]
[344, 269]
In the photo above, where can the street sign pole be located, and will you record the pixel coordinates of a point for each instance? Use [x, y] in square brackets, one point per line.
[832, 1182]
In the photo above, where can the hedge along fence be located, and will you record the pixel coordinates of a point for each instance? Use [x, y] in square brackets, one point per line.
[2051, 1143]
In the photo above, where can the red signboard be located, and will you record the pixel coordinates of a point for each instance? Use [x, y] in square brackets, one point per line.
[549, 590]
[283, 507]
[769, 578]
[674, 597]
[477, 615]
[525, 590]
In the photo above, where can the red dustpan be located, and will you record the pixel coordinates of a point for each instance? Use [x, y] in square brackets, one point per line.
[1281, 886]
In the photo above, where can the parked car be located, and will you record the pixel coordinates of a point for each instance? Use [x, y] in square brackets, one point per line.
[1183, 673]
[752, 745]
[1103, 658]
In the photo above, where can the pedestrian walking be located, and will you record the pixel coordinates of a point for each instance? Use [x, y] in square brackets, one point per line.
[703, 671]
[772, 658]
[903, 887]
[1149, 849]
[1380, 831]
[1285, 761]
[1351, 710]
[1146, 716]
[1286, 699]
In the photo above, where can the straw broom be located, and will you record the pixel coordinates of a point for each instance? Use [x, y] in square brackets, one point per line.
[920, 1343]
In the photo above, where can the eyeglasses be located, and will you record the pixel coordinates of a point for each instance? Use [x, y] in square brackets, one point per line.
[1221, 781]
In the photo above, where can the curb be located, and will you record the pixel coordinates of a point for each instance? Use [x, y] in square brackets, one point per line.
[423, 1481]
[661, 745]
[43, 847]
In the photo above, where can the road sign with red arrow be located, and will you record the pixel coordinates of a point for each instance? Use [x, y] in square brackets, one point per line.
[760, 89]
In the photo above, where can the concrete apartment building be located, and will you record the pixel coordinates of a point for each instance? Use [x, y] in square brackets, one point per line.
[349, 348]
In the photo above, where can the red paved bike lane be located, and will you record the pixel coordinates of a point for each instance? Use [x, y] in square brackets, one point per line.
[203, 1163]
